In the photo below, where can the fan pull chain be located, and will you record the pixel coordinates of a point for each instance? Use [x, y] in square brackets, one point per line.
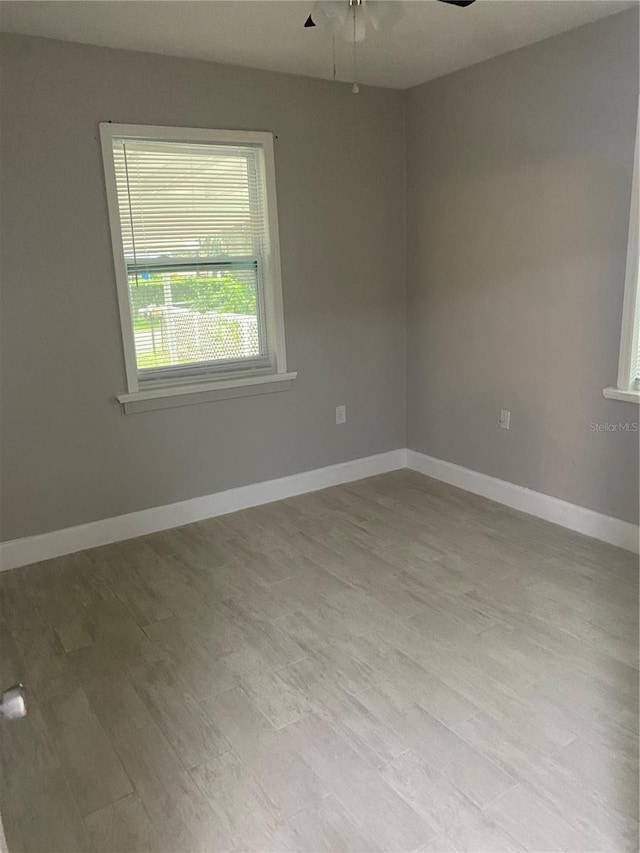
[355, 88]
[333, 50]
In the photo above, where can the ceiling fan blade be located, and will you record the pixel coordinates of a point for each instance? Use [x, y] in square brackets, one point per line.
[309, 22]
[461, 3]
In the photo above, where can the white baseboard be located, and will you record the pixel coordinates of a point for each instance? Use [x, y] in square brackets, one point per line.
[603, 527]
[45, 546]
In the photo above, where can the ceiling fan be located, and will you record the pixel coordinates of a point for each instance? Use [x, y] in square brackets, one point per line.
[321, 13]
[351, 19]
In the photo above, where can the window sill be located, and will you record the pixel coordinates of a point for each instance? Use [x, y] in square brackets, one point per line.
[168, 396]
[629, 396]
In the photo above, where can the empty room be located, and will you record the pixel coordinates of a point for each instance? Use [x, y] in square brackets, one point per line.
[319, 443]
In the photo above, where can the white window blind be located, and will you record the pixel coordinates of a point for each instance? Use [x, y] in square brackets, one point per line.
[193, 221]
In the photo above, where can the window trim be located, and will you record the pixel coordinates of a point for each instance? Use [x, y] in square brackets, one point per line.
[240, 377]
[187, 393]
[627, 388]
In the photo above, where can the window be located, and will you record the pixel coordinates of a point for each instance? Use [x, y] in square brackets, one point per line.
[628, 384]
[194, 232]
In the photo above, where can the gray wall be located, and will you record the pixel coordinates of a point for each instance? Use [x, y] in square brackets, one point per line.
[518, 191]
[68, 453]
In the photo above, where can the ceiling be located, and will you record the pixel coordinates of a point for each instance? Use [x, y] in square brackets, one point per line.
[429, 40]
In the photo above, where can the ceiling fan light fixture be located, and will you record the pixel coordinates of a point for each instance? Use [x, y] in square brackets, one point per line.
[337, 15]
[330, 14]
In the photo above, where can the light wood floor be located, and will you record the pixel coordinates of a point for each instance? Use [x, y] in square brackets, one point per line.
[388, 665]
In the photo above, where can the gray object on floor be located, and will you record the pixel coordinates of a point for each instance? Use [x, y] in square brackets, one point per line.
[12, 703]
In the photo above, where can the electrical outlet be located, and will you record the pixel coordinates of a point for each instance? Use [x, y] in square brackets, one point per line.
[505, 419]
[341, 414]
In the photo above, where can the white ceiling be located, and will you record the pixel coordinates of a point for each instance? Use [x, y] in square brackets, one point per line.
[431, 38]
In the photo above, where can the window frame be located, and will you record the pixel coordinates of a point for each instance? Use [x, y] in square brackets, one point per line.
[627, 387]
[185, 386]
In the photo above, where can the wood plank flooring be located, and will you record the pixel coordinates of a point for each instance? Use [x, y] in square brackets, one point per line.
[389, 665]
